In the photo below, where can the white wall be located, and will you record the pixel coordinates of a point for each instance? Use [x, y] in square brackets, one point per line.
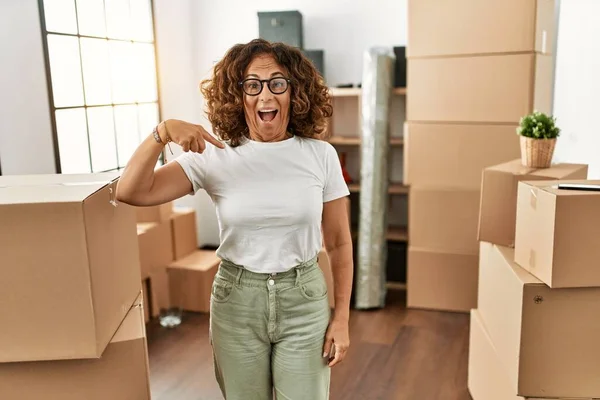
[179, 92]
[577, 87]
[26, 145]
[342, 28]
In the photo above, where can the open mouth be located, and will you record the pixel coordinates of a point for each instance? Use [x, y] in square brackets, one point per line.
[267, 115]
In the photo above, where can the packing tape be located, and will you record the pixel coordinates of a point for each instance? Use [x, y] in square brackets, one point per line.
[533, 198]
[532, 258]
[544, 41]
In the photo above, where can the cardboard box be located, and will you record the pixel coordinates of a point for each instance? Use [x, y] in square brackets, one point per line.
[146, 299]
[498, 88]
[441, 281]
[466, 27]
[557, 234]
[454, 155]
[185, 239]
[498, 209]
[444, 219]
[325, 266]
[191, 280]
[121, 373]
[155, 244]
[160, 213]
[159, 292]
[70, 268]
[546, 339]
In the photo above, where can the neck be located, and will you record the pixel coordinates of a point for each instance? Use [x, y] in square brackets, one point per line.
[275, 138]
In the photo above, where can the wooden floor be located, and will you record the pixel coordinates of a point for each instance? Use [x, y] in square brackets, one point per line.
[396, 354]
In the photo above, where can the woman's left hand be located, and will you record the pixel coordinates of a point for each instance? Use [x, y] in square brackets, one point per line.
[338, 340]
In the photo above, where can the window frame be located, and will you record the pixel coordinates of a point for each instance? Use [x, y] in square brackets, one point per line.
[85, 107]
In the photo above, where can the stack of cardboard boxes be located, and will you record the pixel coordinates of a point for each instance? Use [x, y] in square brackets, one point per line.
[474, 69]
[535, 331]
[70, 293]
[175, 273]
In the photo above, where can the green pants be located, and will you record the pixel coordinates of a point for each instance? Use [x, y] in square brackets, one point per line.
[268, 331]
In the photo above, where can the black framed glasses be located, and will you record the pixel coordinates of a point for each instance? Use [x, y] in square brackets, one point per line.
[254, 86]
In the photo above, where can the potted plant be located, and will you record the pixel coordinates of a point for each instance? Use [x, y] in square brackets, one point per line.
[538, 133]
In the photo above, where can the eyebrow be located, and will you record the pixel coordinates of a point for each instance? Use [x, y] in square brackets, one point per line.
[272, 75]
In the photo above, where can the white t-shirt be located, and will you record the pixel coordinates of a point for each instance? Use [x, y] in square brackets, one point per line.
[269, 198]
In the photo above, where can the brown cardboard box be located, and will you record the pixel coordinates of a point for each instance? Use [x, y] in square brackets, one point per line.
[121, 373]
[160, 213]
[191, 280]
[464, 27]
[487, 377]
[557, 234]
[159, 291]
[498, 88]
[155, 244]
[325, 266]
[498, 209]
[454, 155]
[146, 299]
[185, 239]
[546, 339]
[444, 219]
[70, 269]
[441, 281]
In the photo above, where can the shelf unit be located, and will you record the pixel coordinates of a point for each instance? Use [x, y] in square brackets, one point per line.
[344, 134]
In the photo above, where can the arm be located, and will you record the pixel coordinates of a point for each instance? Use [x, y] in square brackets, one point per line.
[338, 244]
[141, 185]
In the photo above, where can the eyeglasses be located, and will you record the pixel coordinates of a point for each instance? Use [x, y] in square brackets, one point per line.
[254, 86]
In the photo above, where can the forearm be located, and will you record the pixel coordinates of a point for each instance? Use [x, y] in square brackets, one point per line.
[342, 266]
[138, 176]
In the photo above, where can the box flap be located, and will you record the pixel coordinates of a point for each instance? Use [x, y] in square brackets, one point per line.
[560, 171]
[52, 188]
[132, 326]
[201, 260]
[551, 186]
[48, 193]
[46, 179]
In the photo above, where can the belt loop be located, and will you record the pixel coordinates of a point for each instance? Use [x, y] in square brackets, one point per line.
[238, 278]
[297, 276]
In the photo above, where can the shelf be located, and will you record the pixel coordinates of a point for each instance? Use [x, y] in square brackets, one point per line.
[397, 234]
[393, 188]
[355, 92]
[356, 141]
[394, 234]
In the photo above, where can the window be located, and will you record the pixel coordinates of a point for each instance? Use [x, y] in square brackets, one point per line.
[101, 66]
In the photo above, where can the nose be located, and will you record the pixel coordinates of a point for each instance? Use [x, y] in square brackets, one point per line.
[265, 95]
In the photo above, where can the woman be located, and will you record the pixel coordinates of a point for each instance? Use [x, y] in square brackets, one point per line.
[277, 189]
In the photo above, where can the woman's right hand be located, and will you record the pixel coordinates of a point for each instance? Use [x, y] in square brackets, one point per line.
[190, 137]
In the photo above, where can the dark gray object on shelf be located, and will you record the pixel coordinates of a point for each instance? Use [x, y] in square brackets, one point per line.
[281, 26]
[318, 58]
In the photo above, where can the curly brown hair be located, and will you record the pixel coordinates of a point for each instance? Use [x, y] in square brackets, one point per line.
[310, 99]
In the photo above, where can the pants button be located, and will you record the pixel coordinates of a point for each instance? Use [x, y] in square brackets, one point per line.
[271, 282]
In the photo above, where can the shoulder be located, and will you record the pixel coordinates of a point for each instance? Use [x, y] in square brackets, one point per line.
[320, 147]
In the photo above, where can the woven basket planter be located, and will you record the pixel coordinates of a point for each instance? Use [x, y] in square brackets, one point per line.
[537, 153]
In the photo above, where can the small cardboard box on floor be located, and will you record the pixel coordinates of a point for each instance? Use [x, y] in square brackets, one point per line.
[453, 155]
[557, 237]
[546, 339]
[121, 373]
[191, 279]
[467, 27]
[498, 207]
[70, 266]
[440, 280]
[155, 244]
